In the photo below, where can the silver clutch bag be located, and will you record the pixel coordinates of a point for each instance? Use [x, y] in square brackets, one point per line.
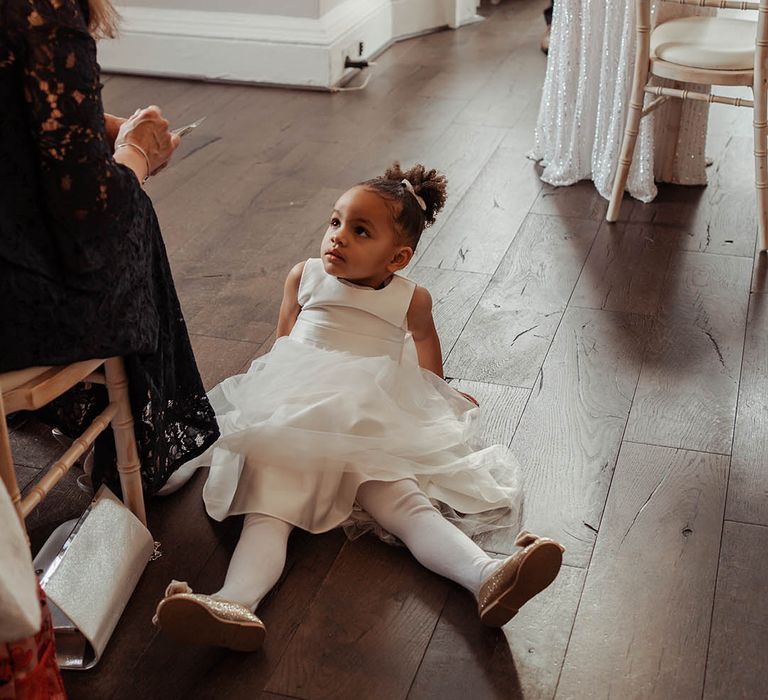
[90, 567]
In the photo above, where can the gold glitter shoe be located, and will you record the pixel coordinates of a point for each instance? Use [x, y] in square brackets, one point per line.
[193, 618]
[525, 574]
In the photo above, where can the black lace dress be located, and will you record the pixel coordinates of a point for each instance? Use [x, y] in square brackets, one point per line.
[83, 268]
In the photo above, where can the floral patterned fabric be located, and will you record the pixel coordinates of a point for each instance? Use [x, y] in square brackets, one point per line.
[28, 669]
[83, 267]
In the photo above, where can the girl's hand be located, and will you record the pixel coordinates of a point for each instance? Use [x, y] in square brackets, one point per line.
[147, 130]
[112, 125]
[469, 397]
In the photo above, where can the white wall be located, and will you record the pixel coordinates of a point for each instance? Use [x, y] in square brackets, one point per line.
[286, 42]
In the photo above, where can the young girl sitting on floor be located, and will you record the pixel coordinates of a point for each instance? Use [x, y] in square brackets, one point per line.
[348, 421]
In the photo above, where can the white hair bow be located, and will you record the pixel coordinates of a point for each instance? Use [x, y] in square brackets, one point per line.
[408, 186]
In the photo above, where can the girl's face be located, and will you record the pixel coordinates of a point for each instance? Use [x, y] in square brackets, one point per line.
[361, 244]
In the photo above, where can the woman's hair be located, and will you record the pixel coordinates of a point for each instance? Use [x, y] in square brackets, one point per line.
[409, 217]
[102, 19]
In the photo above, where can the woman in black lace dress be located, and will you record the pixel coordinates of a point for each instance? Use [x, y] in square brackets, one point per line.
[83, 268]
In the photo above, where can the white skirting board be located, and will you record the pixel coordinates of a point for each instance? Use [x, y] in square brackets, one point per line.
[269, 48]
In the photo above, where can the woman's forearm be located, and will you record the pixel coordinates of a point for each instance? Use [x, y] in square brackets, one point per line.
[112, 125]
[135, 161]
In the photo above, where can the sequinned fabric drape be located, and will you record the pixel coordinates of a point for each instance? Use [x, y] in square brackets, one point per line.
[585, 101]
[83, 268]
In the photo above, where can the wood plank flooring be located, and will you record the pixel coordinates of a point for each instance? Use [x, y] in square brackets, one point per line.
[626, 365]
[661, 526]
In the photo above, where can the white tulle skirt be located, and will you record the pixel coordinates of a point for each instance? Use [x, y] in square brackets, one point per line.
[305, 426]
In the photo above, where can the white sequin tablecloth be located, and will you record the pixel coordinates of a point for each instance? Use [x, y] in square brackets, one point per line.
[585, 98]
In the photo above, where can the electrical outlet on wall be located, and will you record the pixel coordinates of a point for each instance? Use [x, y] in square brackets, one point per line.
[353, 52]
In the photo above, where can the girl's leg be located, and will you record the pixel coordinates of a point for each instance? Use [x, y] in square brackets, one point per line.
[403, 509]
[258, 560]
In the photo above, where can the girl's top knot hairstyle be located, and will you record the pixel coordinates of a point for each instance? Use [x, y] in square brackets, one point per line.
[408, 190]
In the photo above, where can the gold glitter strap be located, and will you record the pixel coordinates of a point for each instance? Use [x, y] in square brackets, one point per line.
[525, 538]
[175, 587]
[157, 551]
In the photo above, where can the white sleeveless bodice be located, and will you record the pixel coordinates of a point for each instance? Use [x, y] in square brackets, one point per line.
[338, 315]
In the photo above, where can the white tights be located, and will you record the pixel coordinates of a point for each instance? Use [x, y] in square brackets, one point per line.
[400, 507]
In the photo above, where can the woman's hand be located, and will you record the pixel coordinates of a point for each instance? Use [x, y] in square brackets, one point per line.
[469, 397]
[112, 125]
[145, 134]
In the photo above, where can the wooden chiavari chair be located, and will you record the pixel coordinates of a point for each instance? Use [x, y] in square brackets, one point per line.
[705, 51]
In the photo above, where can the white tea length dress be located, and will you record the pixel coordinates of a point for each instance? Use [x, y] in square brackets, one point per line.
[341, 401]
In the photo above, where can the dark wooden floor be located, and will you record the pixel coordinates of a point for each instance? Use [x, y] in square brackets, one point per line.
[626, 365]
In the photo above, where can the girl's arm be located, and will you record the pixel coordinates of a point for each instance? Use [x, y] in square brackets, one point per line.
[422, 327]
[289, 308]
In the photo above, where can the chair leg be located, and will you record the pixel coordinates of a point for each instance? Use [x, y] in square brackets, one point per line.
[760, 123]
[637, 97]
[128, 464]
[7, 470]
[627, 148]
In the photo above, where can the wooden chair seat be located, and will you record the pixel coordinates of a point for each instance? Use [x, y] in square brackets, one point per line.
[33, 387]
[712, 43]
[11, 380]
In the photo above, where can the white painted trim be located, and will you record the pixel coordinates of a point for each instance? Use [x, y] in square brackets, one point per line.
[241, 26]
[413, 17]
[267, 48]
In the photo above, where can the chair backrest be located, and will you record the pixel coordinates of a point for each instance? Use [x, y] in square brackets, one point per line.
[719, 4]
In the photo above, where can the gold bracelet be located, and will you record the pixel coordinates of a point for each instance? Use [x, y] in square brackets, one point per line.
[140, 150]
